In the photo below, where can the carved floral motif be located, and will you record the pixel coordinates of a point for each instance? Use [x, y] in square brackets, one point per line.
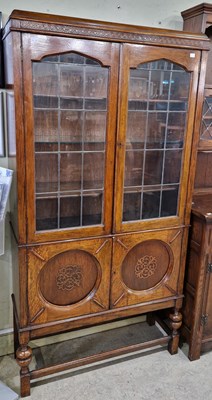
[69, 277]
[145, 267]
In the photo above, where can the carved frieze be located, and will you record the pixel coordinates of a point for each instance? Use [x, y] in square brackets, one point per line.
[111, 35]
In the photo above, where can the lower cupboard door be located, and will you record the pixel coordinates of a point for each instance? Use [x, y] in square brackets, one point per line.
[68, 279]
[145, 267]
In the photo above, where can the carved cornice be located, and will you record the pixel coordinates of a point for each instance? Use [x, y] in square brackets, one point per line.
[196, 10]
[112, 35]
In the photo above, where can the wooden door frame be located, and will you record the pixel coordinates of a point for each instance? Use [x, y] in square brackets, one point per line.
[108, 55]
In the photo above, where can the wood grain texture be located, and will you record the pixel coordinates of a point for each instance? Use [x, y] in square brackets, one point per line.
[127, 288]
[36, 47]
[131, 57]
[86, 275]
[198, 284]
[199, 19]
[61, 25]
[72, 280]
[197, 324]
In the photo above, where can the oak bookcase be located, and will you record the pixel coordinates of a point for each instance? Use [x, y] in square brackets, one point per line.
[107, 119]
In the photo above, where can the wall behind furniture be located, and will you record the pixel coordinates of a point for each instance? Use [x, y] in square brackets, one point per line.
[155, 13]
[164, 14]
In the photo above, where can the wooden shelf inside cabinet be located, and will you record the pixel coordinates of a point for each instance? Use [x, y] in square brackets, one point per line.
[104, 123]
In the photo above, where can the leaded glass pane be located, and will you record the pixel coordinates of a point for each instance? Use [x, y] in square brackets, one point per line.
[156, 124]
[206, 131]
[70, 121]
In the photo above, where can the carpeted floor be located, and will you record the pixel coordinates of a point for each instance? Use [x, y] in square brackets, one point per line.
[151, 374]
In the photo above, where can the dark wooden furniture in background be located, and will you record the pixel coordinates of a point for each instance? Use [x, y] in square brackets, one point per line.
[199, 19]
[105, 117]
[197, 311]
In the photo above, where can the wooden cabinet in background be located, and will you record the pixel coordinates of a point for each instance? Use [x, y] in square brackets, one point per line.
[106, 126]
[199, 19]
[197, 310]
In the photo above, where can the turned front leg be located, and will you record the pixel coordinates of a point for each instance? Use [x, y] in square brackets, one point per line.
[175, 322]
[23, 358]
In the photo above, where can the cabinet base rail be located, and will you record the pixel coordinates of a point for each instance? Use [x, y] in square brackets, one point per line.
[23, 352]
[35, 374]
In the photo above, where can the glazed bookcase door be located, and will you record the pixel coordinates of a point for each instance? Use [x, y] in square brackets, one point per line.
[66, 280]
[206, 128]
[145, 267]
[70, 103]
[154, 136]
[203, 178]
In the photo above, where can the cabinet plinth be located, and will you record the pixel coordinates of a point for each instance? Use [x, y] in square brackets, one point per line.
[106, 126]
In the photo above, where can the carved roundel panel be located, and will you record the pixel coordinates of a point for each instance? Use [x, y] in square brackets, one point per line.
[146, 264]
[69, 277]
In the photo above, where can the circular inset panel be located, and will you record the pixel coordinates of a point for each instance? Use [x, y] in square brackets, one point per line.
[146, 264]
[69, 277]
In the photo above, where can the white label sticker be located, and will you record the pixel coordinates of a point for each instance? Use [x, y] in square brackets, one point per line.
[192, 55]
